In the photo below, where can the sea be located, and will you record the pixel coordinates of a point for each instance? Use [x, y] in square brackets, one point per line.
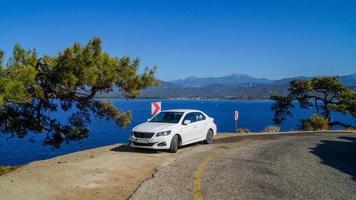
[254, 115]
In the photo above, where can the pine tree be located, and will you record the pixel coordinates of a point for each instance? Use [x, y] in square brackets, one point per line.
[325, 94]
[32, 87]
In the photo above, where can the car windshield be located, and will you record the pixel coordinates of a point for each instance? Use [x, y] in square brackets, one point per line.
[167, 117]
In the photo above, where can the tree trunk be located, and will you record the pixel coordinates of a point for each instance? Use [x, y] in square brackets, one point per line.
[327, 111]
[316, 105]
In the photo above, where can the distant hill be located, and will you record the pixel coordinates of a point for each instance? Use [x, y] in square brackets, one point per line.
[234, 86]
[243, 79]
[230, 79]
[219, 91]
[349, 80]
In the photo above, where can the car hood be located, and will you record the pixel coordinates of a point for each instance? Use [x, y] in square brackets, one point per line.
[154, 127]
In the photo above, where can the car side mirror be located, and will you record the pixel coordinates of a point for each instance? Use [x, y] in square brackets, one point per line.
[186, 122]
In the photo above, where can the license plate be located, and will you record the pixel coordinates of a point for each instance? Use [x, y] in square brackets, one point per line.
[142, 140]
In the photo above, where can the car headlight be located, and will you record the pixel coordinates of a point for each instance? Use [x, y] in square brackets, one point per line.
[164, 133]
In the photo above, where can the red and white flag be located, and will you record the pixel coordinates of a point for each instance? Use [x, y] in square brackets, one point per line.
[155, 108]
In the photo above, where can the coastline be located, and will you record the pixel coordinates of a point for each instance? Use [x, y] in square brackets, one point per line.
[188, 98]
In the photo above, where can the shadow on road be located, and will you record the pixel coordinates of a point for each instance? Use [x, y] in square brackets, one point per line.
[339, 154]
[127, 148]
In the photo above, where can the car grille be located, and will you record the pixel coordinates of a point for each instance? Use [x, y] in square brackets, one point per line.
[143, 144]
[143, 135]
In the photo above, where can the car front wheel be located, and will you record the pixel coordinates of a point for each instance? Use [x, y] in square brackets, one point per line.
[174, 144]
[209, 137]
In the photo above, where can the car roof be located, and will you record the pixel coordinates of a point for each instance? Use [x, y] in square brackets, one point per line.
[181, 110]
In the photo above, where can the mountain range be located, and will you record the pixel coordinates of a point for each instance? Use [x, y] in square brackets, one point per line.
[233, 86]
[224, 80]
[244, 79]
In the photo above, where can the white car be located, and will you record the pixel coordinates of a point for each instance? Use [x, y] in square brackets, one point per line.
[170, 129]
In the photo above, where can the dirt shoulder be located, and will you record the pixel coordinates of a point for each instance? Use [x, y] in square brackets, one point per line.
[110, 172]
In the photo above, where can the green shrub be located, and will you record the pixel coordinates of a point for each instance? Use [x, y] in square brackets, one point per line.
[243, 130]
[315, 123]
[272, 129]
[7, 169]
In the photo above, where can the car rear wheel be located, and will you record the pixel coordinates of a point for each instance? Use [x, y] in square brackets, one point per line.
[174, 144]
[209, 137]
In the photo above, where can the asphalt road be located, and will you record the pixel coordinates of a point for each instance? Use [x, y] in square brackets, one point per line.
[304, 166]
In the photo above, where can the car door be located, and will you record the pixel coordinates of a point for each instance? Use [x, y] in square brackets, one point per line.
[201, 125]
[188, 131]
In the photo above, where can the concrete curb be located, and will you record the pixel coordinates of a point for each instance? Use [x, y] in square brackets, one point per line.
[284, 132]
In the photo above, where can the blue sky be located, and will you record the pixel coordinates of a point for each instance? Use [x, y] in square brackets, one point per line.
[272, 39]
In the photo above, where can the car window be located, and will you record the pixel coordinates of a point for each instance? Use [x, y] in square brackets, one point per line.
[194, 117]
[191, 117]
[199, 116]
[167, 117]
